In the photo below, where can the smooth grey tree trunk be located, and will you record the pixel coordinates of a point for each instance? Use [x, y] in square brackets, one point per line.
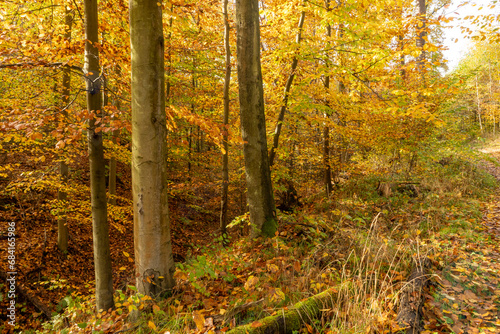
[225, 124]
[102, 257]
[152, 245]
[253, 122]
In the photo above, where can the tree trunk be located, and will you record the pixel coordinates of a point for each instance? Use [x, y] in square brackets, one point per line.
[152, 245]
[478, 106]
[492, 99]
[102, 257]
[326, 131]
[284, 104]
[62, 227]
[401, 47]
[225, 124]
[112, 160]
[253, 122]
[169, 55]
[422, 33]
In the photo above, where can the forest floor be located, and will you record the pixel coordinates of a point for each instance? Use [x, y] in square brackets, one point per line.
[316, 249]
[466, 296]
[49, 276]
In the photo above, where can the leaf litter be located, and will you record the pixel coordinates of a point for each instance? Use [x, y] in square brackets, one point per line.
[465, 296]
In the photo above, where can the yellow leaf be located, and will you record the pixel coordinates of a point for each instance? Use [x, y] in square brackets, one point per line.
[251, 282]
[151, 325]
[156, 309]
[126, 254]
[199, 320]
[123, 268]
[272, 268]
[277, 295]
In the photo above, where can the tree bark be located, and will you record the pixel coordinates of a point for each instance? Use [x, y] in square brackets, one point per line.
[152, 244]
[412, 297]
[401, 46]
[102, 257]
[284, 103]
[253, 122]
[422, 33]
[112, 160]
[492, 98]
[225, 124]
[478, 106]
[293, 319]
[326, 131]
[169, 55]
[62, 227]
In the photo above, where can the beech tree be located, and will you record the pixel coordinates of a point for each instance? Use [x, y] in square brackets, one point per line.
[100, 226]
[62, 228]
[152, 245]
[253, 122]
[225, 133]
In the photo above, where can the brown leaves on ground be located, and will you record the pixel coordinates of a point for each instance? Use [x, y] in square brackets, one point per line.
[467, 296]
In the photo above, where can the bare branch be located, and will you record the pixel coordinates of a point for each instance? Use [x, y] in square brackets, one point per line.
[32, 64]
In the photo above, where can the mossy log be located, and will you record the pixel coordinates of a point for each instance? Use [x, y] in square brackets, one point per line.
[292, 319]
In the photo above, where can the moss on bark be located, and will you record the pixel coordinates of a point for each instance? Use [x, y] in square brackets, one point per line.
[287, 321]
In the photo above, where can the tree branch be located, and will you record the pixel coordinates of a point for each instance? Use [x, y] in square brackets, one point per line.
[32, 64]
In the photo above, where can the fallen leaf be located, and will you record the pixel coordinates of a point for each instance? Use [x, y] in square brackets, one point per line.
[199, 320]
[256, 324]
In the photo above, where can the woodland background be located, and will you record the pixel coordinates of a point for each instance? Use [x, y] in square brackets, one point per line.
[376, 166]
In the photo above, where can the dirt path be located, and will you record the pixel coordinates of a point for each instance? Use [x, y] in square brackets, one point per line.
[467, 296]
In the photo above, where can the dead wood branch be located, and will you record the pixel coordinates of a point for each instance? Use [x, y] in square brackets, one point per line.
[411, 301]
[292, 319]
[31, 297]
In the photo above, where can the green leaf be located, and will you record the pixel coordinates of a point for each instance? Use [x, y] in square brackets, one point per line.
[82, 325]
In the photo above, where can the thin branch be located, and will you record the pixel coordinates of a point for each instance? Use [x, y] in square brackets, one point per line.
[368, 86]
[116, 95]
[31, 64]
[79, 13]
[69, 104]
[35, 10]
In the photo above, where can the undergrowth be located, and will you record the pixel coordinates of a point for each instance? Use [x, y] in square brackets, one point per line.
[359, 242]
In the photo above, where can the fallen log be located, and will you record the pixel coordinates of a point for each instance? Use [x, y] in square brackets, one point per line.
[292, 319]
[411, 300]
[386, 189]
[32, 298]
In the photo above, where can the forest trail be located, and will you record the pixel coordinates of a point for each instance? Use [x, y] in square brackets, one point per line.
[466, 294]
